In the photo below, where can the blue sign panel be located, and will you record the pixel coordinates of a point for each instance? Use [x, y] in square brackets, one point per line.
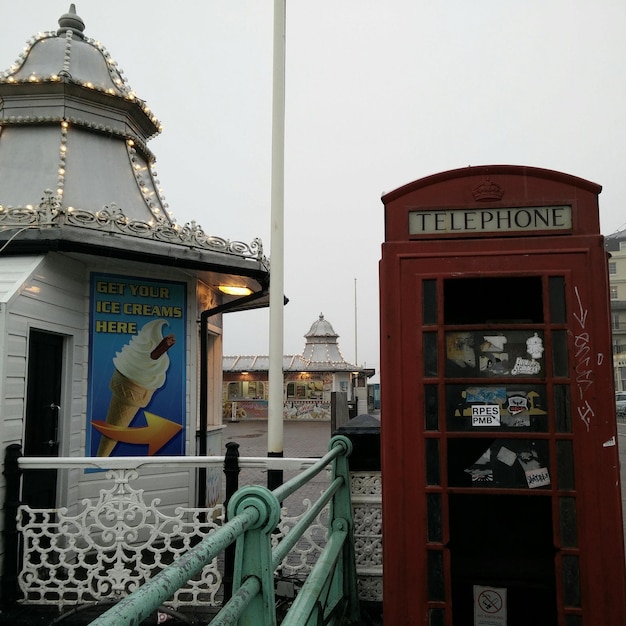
[136, 386]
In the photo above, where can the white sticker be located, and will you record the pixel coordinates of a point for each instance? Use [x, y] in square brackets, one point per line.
[539, 477]
[489, 606]
[528, 367]
[485, 415]
[506, 456]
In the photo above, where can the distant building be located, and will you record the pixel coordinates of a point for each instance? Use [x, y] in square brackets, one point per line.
[309, 380]
[616, 246]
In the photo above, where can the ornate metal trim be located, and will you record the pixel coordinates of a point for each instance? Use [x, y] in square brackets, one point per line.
[114, 544]
[111, 220]
[366, 489]
[110, 547]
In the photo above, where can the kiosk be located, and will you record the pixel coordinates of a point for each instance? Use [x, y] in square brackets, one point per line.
[501, 487]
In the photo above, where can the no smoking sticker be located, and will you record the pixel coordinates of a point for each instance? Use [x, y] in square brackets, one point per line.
[489, 606]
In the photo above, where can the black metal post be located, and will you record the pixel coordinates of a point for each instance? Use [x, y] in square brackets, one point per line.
[231, 470]
[10, 564]
[274, 477]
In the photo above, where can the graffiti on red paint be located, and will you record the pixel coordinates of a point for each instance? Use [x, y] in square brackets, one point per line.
[584, 361]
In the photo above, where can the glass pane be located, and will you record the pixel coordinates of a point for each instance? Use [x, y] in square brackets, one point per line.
[495, 354]
[562, 409]
[569, 526]
[503, 407]
[436, 587]
[433, 501]
[556, 286]
[431, 407]
[501, 300]
[573, 620]
[429, 302]
[559, 353]
[502, 463]
[436, 617]
[430, 354]
[565, 464]
[432, 462]
[571, 581]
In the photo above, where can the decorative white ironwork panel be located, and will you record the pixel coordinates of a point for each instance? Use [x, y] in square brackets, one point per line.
[111, 547]
[304, 554]
[366, 489]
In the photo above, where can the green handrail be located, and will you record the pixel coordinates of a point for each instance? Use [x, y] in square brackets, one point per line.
[135, 607]
[329, 595]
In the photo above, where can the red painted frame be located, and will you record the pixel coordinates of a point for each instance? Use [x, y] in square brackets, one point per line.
[578, 255]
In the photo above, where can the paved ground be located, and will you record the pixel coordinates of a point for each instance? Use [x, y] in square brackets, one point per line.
[301, 440]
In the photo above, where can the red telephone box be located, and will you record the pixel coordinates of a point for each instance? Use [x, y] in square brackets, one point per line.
[501, 487]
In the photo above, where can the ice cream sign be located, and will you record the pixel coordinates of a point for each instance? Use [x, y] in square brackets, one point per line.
[136, 367]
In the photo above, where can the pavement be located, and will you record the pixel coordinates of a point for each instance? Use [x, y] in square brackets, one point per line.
[300, 440]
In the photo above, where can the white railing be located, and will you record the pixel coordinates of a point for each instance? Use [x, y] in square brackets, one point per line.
[104, 547]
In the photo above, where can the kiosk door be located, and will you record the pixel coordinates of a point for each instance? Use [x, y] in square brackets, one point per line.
[503, 382]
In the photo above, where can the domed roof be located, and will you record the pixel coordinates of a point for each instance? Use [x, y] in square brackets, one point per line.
[322, 330]
[321, 354]
[321, 350]
[68, 54]
[74, 164]
[73, 130]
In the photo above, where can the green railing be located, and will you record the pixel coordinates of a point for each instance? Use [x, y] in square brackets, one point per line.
[328, 595]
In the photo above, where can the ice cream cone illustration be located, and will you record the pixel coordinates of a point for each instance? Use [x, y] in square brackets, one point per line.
[140, 369]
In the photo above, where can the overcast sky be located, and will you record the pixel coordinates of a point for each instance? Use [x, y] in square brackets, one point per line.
[379, 93]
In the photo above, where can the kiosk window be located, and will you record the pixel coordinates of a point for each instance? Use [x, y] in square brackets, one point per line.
[571, 580]
[430, 354]
[434, 517]
[429, 301]
[569, 528]
[491, 354]
[431, 408]
[502, 407]
[432, 462]
[557, 299]
[489, 300]
[499, 463]
[436, 585]
[562, 412]
[436, 617]
[565, 464]
[559, 351]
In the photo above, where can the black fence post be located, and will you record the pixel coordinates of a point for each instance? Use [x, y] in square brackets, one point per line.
[231, 469]
[10, 565]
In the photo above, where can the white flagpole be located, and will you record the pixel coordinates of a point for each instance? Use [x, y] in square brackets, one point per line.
[275, 391]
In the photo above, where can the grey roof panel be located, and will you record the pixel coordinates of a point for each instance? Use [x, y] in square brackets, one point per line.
[29, 161]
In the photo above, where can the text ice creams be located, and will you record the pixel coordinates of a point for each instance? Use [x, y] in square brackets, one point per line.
[140, 369]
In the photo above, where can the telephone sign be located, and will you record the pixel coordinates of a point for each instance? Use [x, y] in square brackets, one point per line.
[500, 468]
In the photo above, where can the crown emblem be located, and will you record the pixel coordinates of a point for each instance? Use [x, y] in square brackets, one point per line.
[487, 190]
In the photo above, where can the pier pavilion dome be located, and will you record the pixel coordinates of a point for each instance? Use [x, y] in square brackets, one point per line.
[321, 347]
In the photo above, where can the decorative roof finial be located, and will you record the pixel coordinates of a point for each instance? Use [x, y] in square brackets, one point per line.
[71, 21]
